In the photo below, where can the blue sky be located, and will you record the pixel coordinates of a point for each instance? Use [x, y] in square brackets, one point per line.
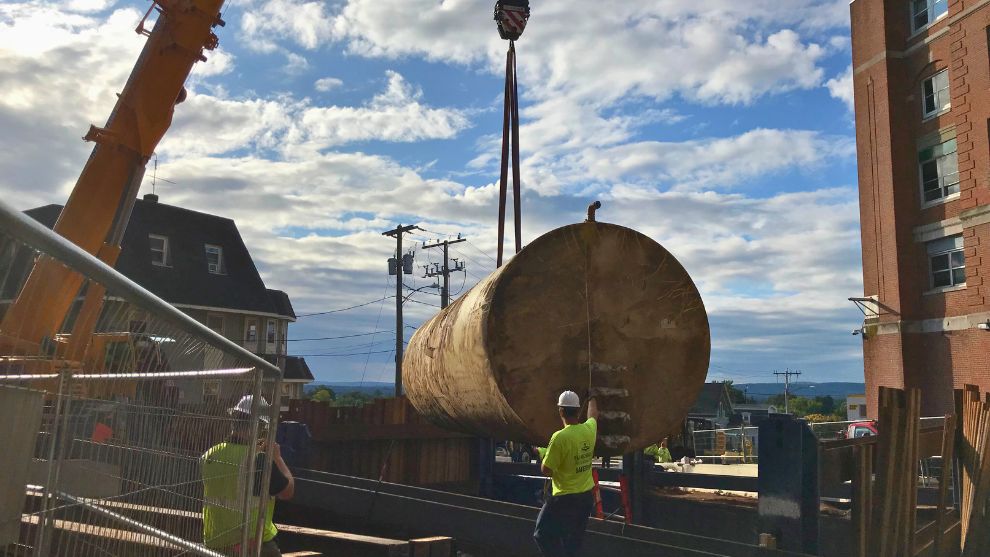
[721, 129]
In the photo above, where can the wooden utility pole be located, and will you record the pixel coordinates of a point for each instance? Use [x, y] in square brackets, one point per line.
[445, 270]
[399, 267]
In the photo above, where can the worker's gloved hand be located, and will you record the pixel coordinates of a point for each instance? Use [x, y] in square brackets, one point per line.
[594, 392]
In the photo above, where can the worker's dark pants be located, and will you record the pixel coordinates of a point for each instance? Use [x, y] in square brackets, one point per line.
[560, 526]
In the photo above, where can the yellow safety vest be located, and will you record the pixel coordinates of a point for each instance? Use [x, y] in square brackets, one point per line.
[226, 476]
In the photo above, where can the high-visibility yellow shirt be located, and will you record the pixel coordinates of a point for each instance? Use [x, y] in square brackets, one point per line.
[225, 478]
[569, 455]
[660, 453]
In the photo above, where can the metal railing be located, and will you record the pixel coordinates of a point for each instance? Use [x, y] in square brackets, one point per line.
[109, 417]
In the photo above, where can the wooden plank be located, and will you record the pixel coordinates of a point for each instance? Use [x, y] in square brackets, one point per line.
[948, 446]
[862, 499]
[966, 453]
[911, 470]
[975, 539]
[344, 543]
[886, 448]
[437, 546]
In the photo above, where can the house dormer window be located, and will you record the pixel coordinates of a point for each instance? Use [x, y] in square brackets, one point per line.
[159, 250]
[214, 260]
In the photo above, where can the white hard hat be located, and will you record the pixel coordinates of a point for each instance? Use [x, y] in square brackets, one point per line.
[244, 407]
[569, 399]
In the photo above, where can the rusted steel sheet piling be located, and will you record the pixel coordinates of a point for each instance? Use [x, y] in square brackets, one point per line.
[586, 305]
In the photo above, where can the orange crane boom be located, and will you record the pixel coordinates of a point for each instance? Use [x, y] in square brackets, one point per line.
[96, 214]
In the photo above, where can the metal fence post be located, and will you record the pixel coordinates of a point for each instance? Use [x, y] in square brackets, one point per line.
[266, 473]
[58, 433]
[250, 464]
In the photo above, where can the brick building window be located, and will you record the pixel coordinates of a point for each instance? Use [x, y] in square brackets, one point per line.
[935, 92]
[947, 261]
[924, 12]
[939, 170]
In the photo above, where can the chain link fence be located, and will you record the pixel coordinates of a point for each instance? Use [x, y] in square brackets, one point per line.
[109, 401]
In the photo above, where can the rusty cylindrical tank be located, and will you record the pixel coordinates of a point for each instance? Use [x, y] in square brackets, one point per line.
[586, 305]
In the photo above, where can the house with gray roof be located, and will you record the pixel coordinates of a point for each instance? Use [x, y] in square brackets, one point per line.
[198, 263]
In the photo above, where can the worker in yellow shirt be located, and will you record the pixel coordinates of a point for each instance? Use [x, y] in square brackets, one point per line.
[659, 452]
[567, 461]
[226, 473]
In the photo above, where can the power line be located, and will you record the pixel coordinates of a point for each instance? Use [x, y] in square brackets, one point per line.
[344, 309]
[463, 282]
[424, 303]
[462, 255]
[343, 355]
[470, 243]
[330, 338]
[377, 320]
[787, 386]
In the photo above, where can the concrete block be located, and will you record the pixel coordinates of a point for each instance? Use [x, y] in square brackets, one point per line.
[20, 412]
[81, 477]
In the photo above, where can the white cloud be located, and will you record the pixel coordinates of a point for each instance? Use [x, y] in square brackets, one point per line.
[295, 63]
[313, 216]
[206, 124]
[841, 87]
[704, 50]
[90, 5]
[396, 114]
[327, 84]
[716, 163]
[55, 71]
[265, 24]
[218, 62]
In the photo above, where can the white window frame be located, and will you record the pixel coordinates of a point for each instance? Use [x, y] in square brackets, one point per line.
[929, 10]
[166, 261]
[248, 343]
[271, 328]
[945, 156]
[937, 94]
[283, 337]
[219, 269]
[946, 247]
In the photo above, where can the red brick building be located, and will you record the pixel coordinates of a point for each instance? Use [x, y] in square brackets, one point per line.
[921, 74]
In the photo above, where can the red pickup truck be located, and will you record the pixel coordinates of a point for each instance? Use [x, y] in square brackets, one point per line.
[860, 429]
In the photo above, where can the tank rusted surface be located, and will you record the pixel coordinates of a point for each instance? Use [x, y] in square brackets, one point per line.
[586, 305]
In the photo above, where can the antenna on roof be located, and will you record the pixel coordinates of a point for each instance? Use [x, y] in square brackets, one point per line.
[154, 175]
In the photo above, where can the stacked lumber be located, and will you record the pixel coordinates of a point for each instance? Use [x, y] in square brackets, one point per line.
[312, 541]
[896, 488]
[974, 458]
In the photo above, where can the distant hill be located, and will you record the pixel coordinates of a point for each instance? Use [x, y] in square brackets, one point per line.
[344, 387]
[762, 391]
